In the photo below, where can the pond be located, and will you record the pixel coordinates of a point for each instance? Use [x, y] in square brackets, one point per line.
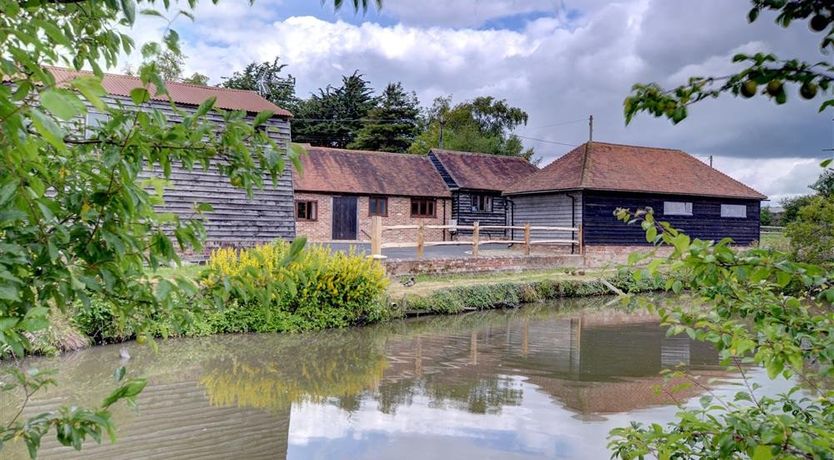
[544, 381]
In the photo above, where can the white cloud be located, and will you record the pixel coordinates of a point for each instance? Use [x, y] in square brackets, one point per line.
[580, 58]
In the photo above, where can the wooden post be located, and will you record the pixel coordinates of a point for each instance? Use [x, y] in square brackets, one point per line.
[421, 240]
[581, 240]
[476, 238]
[376, 236]
[527, 239]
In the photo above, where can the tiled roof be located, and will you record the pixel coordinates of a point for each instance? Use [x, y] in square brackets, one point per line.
[617, 167]
[482, 171]
[368, 173]
[181, 93]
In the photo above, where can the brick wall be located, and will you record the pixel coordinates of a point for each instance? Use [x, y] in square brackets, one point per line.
[399, 213]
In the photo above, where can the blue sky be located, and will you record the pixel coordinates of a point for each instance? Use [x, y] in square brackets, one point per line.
[560, 60]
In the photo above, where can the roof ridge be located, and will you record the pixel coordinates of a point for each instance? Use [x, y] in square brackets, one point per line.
[374, 152]
[484, 154]
[638, 146]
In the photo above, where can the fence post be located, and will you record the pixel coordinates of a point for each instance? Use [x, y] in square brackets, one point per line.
[421, 240]
[376, 236]
[527, 239]
[581, 240]
[476, 238]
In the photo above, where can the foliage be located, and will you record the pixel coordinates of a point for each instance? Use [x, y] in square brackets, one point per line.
[267, 79]
[812, 233]
[392, 124]
[333, 116]
[196, 79]
[167, 64]
[763, 310]
[825, 183]
[75, 220]
[277, 287]
[792, 207]
[763, 73]
[766, 216]
[483, 124]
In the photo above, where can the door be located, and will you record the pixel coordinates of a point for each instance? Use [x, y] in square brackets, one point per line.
[344, 217]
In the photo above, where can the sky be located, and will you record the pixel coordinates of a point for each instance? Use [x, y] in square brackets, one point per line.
[559, 60]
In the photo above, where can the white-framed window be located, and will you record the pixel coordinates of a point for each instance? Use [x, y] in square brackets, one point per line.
[94, 121]
[734, 210]
[481, 203]
[677, 208]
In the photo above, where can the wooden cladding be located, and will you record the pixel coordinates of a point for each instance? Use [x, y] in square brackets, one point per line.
[423, 207]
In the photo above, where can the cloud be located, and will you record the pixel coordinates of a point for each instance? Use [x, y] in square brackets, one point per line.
[559, 60]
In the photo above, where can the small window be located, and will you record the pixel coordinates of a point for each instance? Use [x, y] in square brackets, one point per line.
[378, 206]
[94, 121]
[734, 210]
[422, 207]
[481, 203]
[306, 210]
[677, 208]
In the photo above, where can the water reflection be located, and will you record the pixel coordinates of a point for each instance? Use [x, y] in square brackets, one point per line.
[544, 381]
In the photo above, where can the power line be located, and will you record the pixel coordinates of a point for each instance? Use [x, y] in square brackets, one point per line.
[546, 141]
[580, 120]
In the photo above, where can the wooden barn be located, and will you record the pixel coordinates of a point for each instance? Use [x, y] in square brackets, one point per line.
[476, 181]
[236, 220]
[586, 185]
[337, 192]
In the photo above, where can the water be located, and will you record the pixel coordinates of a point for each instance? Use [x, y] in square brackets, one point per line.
[539, 382]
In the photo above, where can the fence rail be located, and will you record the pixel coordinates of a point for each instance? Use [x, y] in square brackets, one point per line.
[378, 237]
[772, 229]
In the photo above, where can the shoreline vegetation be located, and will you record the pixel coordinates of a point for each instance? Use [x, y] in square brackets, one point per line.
[276, 288]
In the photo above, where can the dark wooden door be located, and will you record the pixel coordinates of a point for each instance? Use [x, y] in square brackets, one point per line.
[344, 217]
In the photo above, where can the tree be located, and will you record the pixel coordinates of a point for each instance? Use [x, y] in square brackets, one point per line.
[334, 116]
[812, 232]
[481, 125]
[766, 217]
[763, 308]
[197, 79]
[76, 223]
[267, 79]
[825, 184]
[168, 64]
[392, 124]
[792, 207]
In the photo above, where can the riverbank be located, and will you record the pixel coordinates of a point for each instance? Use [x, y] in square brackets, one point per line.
[404, 297]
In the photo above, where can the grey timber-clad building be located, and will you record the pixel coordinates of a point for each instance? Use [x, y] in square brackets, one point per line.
[236, 219]
[476, 181]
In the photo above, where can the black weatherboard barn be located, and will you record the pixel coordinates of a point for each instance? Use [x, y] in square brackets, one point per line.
[587, 184]
[476, 181]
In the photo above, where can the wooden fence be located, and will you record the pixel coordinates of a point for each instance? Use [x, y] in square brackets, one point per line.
[378, 237]
[772, 229]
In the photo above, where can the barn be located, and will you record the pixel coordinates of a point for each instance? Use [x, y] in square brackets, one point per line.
[585, 187]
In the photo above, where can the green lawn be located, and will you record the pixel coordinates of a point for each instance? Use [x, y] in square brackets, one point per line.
[777, 241]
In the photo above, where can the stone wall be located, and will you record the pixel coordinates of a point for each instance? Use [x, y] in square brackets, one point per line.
[399, 213]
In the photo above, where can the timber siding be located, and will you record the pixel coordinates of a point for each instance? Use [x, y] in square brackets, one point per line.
[547, 210]
[236, 220]
[601, 227]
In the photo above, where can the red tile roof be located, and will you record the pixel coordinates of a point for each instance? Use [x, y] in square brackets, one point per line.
[482, 171]
[368, 173]
[181, 93]
[617, 167]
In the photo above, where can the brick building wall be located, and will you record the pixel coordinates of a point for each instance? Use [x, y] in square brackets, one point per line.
[399, 213]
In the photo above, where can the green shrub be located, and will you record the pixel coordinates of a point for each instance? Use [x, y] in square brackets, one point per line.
[274, 290]
[812, 233]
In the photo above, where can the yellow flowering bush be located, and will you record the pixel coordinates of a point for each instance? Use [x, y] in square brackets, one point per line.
[279, 286]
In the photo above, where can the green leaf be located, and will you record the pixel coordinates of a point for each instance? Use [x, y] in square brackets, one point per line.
[140, 95]
[205, 107]
[119, 373]
[62, 104]
[130, 389]
[47, 128]
[203, 207]
[825, 163]
[262, 117]
[762, 453]
[92, 90]
[129, 10]
[651, 234]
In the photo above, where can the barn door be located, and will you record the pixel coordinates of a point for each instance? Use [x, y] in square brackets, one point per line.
[344, 217]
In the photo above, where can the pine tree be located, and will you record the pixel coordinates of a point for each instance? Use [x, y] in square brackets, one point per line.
[334, 116]
[393, 124]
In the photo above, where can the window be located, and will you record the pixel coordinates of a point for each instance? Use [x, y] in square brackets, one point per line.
[94, 121]
[677, 208]
[378, 206]
[306, 210]
[481, 203]
[422, 207]
[734, 210]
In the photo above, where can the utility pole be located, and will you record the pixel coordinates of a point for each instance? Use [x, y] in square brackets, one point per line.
[442, 123]
[590, 129]
[710, 161]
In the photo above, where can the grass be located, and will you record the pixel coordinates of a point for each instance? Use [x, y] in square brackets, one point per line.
[777, 241]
